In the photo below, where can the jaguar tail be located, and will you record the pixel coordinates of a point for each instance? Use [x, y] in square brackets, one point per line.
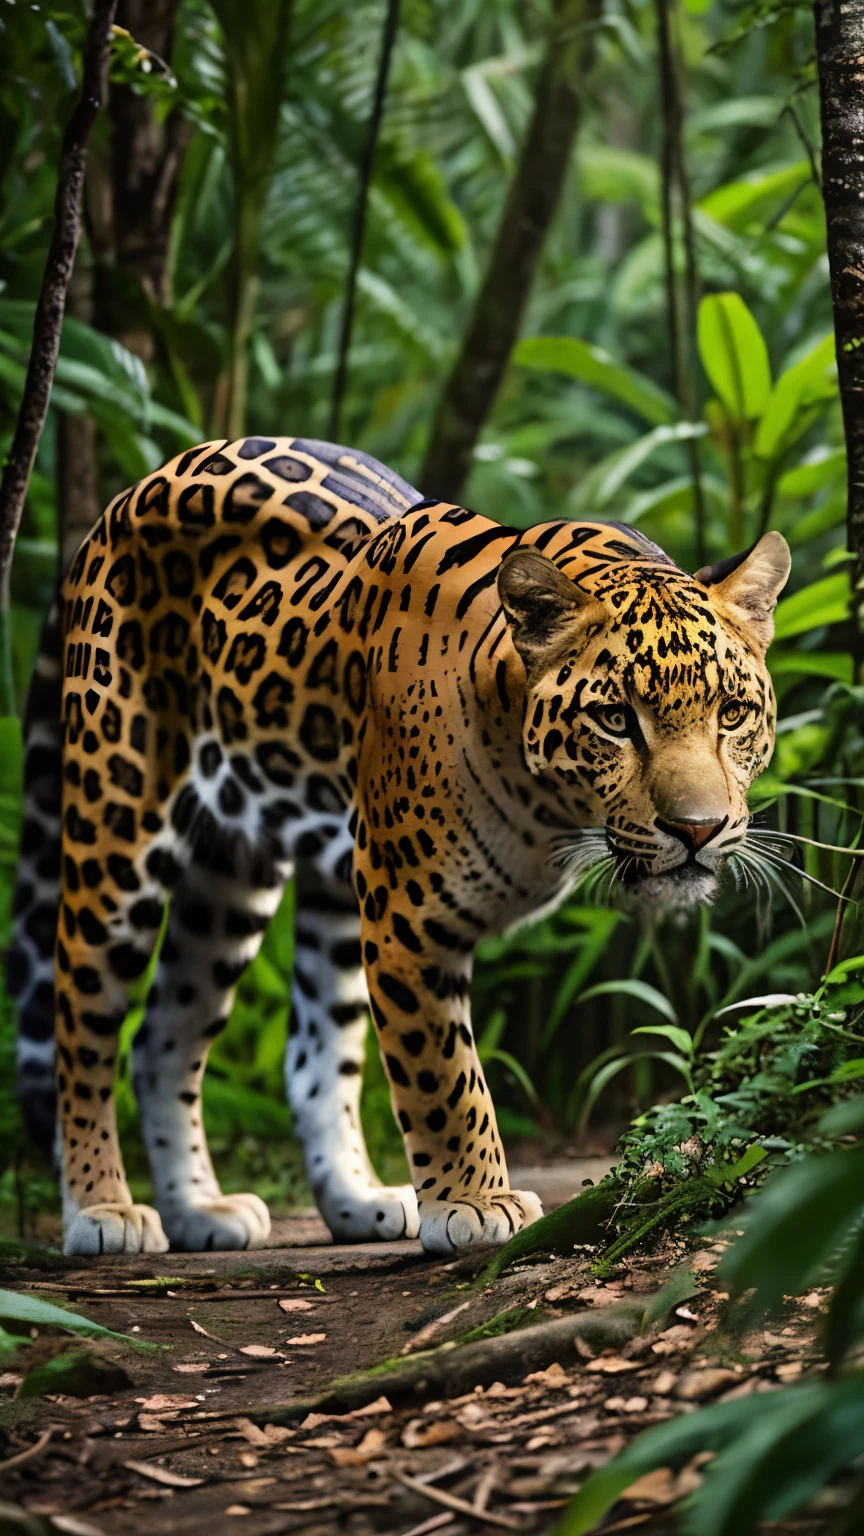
[30, 970]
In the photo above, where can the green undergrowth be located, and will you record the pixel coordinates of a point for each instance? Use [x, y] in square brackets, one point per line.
[756, 1102]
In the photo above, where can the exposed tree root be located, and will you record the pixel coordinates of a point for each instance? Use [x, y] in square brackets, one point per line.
[453, 1369]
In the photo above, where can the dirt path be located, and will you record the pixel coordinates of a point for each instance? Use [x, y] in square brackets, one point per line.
[249, 1334]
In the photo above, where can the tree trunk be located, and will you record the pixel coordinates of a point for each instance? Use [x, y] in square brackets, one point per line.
[839, 48]
[146, 155]
[256, 42]
[129, 197]
[48, 321]
[530, 208]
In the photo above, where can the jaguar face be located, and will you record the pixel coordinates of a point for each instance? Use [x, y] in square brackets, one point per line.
[649, 708]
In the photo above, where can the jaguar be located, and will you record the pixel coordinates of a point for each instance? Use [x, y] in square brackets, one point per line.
[275, 659]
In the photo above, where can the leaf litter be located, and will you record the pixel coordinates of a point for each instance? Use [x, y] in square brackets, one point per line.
[510, 1453]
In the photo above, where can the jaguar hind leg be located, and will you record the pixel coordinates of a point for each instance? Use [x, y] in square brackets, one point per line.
[110, 916]
[215, 927]
[325, 1066]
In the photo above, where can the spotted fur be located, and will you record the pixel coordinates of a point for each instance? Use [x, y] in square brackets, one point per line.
[273, 657]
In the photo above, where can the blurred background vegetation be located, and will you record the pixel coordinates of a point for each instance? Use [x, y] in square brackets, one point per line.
[660, 352]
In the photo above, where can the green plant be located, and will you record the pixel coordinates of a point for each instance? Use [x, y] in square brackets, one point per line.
[770, 1455]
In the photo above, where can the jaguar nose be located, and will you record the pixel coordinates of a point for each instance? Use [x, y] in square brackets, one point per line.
[693, 834]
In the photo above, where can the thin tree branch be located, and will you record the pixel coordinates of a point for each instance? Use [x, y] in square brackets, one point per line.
[50, 309]
[358, 231]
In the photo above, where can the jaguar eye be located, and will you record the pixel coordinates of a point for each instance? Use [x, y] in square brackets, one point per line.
[733, 713]
[614, 719]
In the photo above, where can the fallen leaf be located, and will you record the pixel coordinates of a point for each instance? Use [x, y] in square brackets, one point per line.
[674, 1340]
[270, 1435]
[596, 1295]
[238, 1509]
[554, 1376]
[153, 1425]
[704, 1260]
[248, 1459]
[296, 1304]
[654, 1488]
[558, 1292]
[162, 1475]
[262, 1351]
[315, 1420]
[696, 1384]
[370, 1446]
[192, 1368]
[308, 1338]
[664, 1383]
[626, 1404]
[165, 1400]
[380, 1405]
[789, 1370]
[417, 1433]
[612, 1365]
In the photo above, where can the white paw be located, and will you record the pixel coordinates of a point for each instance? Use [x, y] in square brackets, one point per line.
[229, 1221]
[453, 1225]
[372, 1215]
[114, 1229]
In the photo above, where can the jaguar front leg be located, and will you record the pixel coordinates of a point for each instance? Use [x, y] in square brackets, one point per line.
[418, 970]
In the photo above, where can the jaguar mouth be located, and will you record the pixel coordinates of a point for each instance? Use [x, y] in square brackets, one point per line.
[687, 885]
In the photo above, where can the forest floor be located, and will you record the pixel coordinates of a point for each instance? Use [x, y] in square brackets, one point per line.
[234, 1426]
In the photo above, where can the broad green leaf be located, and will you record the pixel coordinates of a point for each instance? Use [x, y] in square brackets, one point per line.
[596, 367]
[823, 602]
[814, 474]
[813, 524]
[811, 380]
[736, 112]
[666, 1445]
[612, 175]
[734, 355]
[681, 1040]
[727, 1173]
[630, 987]
[794, 1224]
[486, 108]
[739, 202]
[19, 1307]
[604, 480]
[836, 664]
[662, 500]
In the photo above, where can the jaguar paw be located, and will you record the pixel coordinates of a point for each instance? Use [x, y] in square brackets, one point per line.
[228, 1221]
[372, 1214]
[114, 1228]
[451, 1226]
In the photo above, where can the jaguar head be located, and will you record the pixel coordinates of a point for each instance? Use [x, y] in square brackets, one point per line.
[648, 710]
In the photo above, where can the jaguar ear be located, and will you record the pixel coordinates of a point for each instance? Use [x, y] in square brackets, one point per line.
[750, 584]
[540, 603]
